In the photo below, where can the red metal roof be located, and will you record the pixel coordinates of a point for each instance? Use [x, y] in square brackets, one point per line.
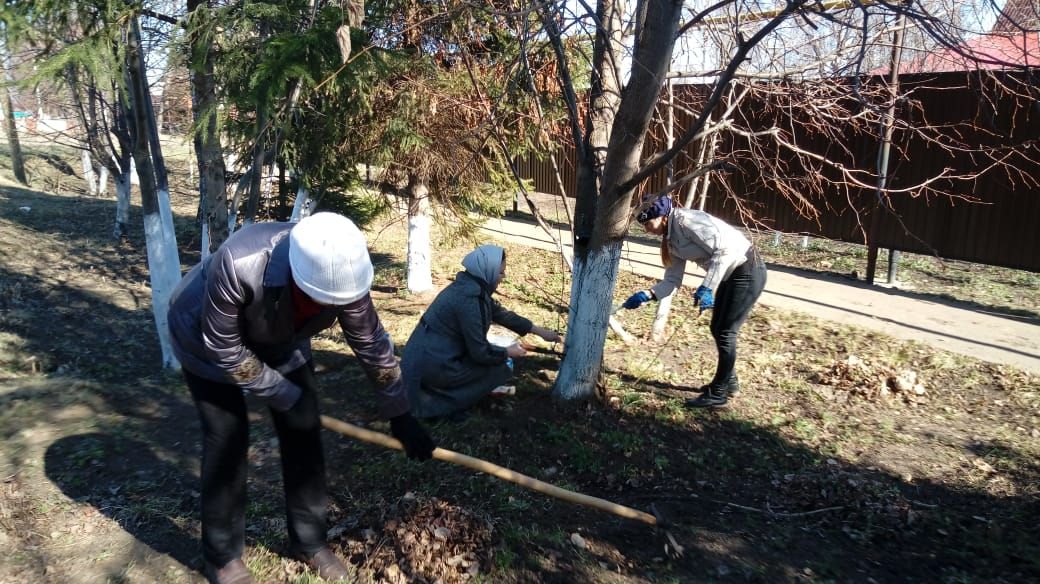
[992, 51]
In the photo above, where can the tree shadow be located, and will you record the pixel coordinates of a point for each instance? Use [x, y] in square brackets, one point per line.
[150, 498]
[746, 501]
[796, 513]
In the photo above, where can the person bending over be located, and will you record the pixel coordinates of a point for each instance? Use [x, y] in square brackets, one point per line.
[241, 323]
[733, 281]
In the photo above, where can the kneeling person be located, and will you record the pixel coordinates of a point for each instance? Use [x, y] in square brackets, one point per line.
[449, 364]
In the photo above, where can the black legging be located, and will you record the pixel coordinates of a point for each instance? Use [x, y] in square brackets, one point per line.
[733, 301]
[225, 431]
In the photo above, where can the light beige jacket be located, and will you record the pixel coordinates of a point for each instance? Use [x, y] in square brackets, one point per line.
[714, 245]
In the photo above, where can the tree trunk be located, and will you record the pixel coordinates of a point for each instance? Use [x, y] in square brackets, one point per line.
[163, 260]
[121, 164]
[302, 206]
[283, 193]
[595, 270]
[588, 318]
[253, 203]
[587, 326]
[236, 200]
[420, 278]
[213, 204]
[17, 159]
[122, 181]
[664, 308]
[102, 181]
[88, 173]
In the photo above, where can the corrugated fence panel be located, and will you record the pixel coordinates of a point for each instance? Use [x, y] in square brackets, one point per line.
[1003, 228]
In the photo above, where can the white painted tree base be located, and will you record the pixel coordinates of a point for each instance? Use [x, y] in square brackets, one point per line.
[664, 308]
[122, 205]
[592, 289]
[420, 277]
[165, 272]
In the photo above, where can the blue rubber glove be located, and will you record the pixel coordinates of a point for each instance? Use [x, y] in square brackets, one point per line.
[703, 298]
[636, 300]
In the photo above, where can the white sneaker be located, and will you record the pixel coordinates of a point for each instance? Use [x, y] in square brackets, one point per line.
[504, 390]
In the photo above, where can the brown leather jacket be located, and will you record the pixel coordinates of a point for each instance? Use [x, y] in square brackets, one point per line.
[231, 319]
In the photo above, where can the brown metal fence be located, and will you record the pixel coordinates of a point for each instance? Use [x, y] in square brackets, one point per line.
[1002, 229]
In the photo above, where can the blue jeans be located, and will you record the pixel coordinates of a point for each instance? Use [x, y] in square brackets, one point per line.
[733, 301]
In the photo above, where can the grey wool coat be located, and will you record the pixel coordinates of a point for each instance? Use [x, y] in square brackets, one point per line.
[448, 363]
[231, 321]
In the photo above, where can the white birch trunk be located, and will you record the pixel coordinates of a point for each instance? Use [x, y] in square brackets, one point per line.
[591, 292]
[88, 173]
[301, 207]
[122, 205]
[420, 278]
[165, 272]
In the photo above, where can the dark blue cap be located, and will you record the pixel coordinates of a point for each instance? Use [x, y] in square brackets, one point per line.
[660, 207]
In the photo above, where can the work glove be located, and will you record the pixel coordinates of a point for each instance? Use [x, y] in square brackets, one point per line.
[636, 300]
[417, 443]
[703, 298]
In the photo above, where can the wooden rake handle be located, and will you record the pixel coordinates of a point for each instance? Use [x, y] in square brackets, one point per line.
[494, 470]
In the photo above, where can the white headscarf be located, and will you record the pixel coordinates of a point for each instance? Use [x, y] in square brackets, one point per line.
[484, 263]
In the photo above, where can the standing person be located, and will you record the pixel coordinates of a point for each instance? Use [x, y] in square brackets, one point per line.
[448, 363]
[734, 279]
[241, 323]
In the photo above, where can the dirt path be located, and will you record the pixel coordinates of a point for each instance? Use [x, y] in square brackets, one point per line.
[947, 325]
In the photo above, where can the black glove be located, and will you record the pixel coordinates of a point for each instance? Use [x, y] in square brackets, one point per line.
[417, 443]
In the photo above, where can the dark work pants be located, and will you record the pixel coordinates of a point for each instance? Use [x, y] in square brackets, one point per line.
[225, 443]
[733, 301]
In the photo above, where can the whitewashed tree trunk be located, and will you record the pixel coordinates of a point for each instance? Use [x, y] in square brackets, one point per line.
[204, 239]
[302, 205]
[88, 173]
[268, 188]
[591, 291]
[664, 308]
[164, 266]
[102, 181]
[420, 278]
[122, 205]
[165, 272]
[236, 201]
[605, 190]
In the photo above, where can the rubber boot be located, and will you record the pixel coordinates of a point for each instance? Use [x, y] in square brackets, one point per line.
[713, 397]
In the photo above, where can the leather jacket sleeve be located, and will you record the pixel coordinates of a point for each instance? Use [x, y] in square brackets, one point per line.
[220, 326]
[374, 349]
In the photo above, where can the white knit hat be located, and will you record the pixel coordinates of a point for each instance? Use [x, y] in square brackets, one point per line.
[329, 259]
